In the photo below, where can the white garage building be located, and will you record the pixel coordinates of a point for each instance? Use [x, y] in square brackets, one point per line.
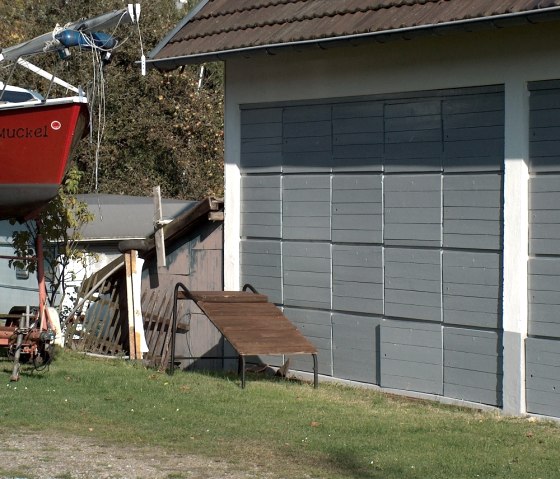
[393, 183]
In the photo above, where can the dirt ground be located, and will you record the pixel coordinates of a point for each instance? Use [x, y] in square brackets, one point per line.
[52, 456]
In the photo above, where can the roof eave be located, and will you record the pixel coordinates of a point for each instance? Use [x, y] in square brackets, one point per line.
[181, 225]
[496, 21]
[178, 27]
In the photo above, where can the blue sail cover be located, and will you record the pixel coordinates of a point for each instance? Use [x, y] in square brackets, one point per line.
[45, 43]
[75, 38]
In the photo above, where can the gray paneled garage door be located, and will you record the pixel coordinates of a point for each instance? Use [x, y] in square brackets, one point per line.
[543, 344]
[377, 224]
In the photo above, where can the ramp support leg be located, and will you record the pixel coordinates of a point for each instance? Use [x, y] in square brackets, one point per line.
[315, 371]
[241, 370]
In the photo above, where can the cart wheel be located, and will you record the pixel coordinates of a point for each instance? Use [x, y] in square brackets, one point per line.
[44, 357]
[23, 358]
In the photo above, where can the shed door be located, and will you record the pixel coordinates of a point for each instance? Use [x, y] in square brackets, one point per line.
[376, 223]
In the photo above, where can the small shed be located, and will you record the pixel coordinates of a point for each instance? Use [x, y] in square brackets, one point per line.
[116, 218]
[126, 307]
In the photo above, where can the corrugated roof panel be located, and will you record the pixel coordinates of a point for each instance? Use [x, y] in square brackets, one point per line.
[118, 217]
[225, 25]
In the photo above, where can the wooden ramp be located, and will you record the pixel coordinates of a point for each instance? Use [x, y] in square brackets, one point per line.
[251, 324]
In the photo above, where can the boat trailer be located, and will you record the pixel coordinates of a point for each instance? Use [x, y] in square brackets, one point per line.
[28, 334]
[24, 341]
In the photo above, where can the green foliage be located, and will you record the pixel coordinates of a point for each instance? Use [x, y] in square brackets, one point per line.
[160, 129]
[61, 223]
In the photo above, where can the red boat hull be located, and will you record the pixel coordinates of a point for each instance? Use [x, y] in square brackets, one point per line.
[35, 145]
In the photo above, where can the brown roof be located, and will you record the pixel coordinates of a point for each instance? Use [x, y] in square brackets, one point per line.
[216, 28]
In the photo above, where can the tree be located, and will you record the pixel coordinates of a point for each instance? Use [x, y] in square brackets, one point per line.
[161, 129]
[60, 225]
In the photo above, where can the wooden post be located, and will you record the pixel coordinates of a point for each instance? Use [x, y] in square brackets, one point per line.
[140, 336]
[158, 227]
[137, 341]
[130, 305]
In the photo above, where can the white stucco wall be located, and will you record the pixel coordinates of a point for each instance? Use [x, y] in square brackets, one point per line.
[511, 57]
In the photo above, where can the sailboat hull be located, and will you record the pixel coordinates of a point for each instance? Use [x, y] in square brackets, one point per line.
[36, 141]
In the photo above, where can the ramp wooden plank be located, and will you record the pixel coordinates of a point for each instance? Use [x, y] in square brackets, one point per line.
[270, 326]
[241, 309]
[223, 296]
[255, 346]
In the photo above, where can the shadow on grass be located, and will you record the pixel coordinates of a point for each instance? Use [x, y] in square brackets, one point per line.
[250, 377]
[26, 370]
[344, 463]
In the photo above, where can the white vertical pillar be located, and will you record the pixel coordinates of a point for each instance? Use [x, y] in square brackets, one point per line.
[232, 194]
[232, 230]
[516, 244]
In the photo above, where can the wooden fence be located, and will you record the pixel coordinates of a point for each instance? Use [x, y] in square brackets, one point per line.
[157, 311]
[102, 325]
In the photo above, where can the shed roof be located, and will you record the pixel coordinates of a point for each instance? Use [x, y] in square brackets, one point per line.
[218, 28]
[208, 209]
[119, 217]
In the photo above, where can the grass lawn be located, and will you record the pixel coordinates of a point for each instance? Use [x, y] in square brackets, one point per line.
[332, 432]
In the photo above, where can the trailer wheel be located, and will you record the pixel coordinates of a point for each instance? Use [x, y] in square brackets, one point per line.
[44, 357]
[23, 358]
